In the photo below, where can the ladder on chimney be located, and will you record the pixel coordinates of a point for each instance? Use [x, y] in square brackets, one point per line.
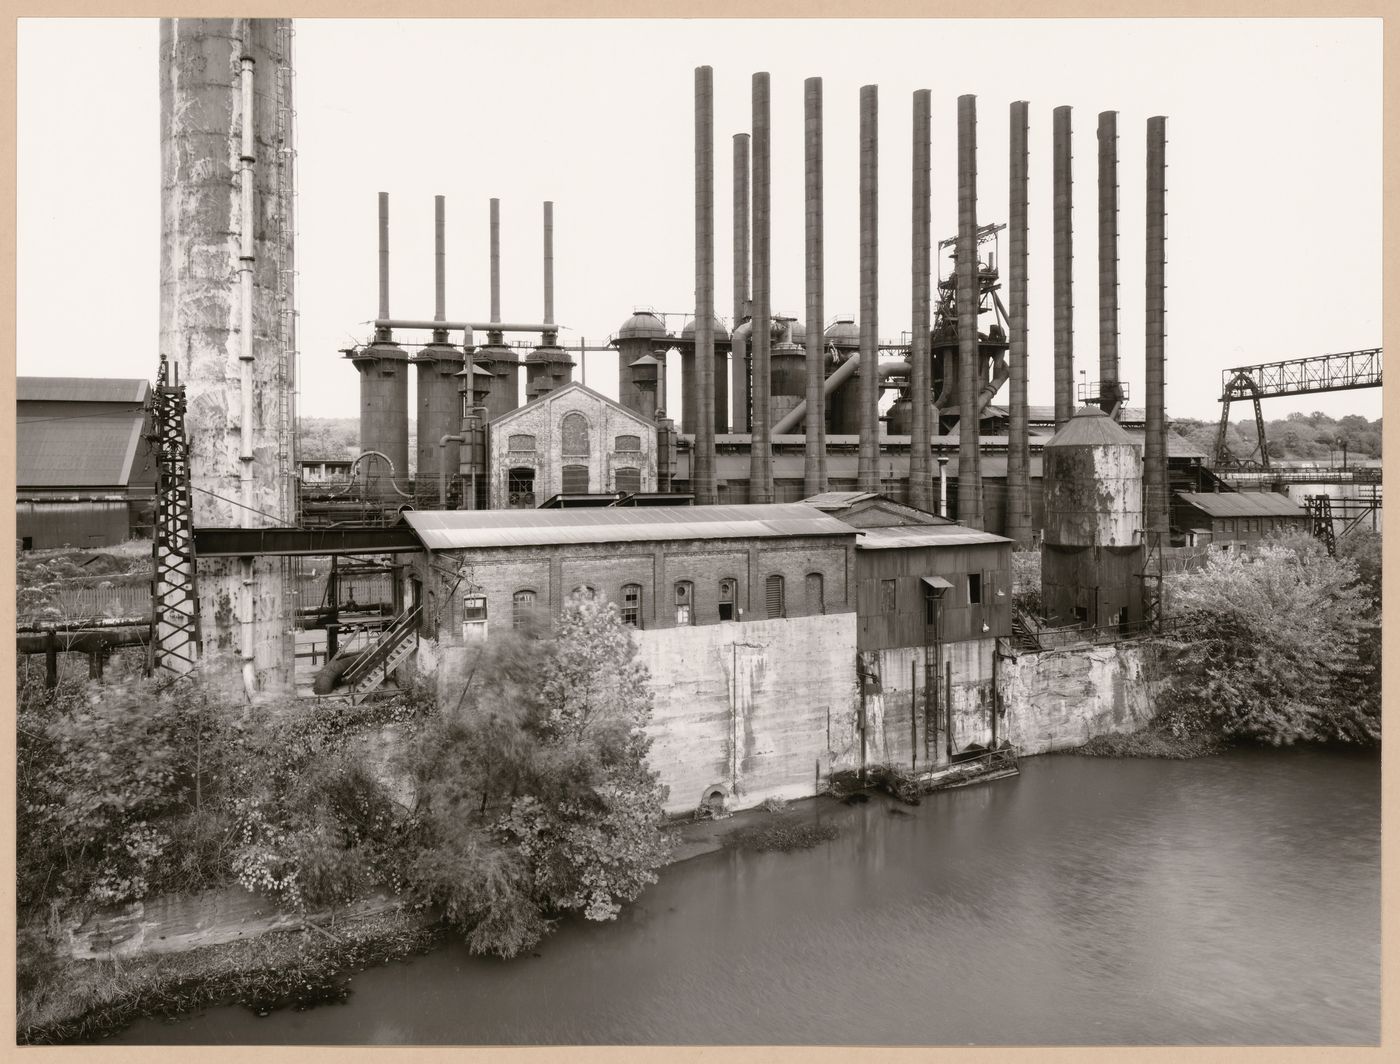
[395, 646]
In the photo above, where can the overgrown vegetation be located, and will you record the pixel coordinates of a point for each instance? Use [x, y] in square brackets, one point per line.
[782, 835]
[1314, 437]
[527, 796]
[1280, 645]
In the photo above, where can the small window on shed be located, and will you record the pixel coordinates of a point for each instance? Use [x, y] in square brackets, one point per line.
[726, 599]
[524, 607]
[474, 608]
[632, 605]
[974, 588]
[627, 443]
[815, 600]
[773, 589]
[627, 479]
[576, 480]
[522, 442]
[887, 596]
[685, 602]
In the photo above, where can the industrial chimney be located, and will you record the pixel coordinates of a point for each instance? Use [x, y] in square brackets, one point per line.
[703, 477]
[868, 473]
[969, 299]
[1064, 268]
[760, 449]
[1018, 515]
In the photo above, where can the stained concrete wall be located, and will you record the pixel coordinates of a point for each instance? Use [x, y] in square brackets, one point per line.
[760, 709]
[1062, 698]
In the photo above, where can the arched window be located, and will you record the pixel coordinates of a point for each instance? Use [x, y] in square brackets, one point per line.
[726, 599]
[573, 432]
[815, 602]
[685, 602]
[627, 443]
[632, 605]
[575, 480]
[524, 608]
[627, 479]
[520, 486]
[774, 595]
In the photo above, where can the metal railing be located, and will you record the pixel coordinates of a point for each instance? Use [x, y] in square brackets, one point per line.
[390, 641]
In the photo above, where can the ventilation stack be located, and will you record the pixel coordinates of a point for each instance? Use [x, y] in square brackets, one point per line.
[703, 476]
[1110, 393]
[760, 448]
[739, 342]
[868, 473]
[920, 393]
[814, 463]
[383, 368]
[969, 298]
[548, 366]
[438, 364]
[1155, 483]
[1018, 510]
[1063, 194]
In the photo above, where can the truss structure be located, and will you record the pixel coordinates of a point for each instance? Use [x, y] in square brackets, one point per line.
[175, 636]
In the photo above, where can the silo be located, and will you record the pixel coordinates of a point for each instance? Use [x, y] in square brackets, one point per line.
[1091, 557]
[787, 371]
[383, 367]
[641, 334]
[843, 406]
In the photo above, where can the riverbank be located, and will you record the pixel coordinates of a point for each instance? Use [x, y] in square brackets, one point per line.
[86, 1000]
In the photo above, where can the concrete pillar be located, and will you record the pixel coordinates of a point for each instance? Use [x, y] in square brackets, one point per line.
[868, 473]
[1018, 509]
[969, 297]
[919, 388]
[1063, 252]
[814, 464]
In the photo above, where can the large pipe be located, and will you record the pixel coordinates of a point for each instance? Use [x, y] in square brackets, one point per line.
[1018, 517]
[760, 448]
[1155, 441]
[738, 339]
[868, 473]
[1063, 199]
[969, 297]
[1109, 393]
[703, 486]
[467, 326]
[384, 254]
[245, 356]
[919, 450]
[814, 466]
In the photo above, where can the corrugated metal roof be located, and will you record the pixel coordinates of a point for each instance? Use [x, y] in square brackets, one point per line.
[81, 390]
[1242, 503]
[1090, 427]
[923, 536]
[838, 500]
[76, 452]
[464, 529]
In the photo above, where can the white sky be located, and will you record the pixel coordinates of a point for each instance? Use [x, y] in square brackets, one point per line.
[1274, 179]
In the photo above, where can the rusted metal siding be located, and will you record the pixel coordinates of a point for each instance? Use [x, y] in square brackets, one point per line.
[42, 524]
[958, 618]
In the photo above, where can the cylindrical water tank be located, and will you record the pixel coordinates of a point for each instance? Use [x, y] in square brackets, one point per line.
[383, 370]
[439, 415]
[1093, 483]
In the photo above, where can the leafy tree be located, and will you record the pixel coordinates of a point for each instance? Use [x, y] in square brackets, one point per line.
[1271, 647]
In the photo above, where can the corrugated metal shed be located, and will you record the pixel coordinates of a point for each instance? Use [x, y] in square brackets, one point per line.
[81, 390]
[923, 536]
[838, 500]
[464, 529]
[1242, 503]
[77, 452]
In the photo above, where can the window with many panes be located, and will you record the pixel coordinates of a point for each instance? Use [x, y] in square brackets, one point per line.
[773, 596]
[685, 602]
[524, 607]
[726, 599]
[632, 605]
[520, 484]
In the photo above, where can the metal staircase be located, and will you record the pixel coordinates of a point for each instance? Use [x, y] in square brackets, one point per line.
[396, 644]
[1025, 630]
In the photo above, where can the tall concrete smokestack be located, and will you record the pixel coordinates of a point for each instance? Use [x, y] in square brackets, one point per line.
[969, 297]
[495, 263]
[1064, 268]
[439, 264]
[760, 449]
[495, 357]
[1155, 484]
[1018, 516]
[739, 345]
[383, 257]
[703, 479]
[814, 468]
[437, 363]
[868, 472]
[920, 456]
[549, 268]
[1110, 394]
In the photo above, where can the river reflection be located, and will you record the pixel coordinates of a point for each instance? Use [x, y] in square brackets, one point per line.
[1226, 900]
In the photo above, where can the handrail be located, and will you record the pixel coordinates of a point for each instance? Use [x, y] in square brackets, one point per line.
[388, 643]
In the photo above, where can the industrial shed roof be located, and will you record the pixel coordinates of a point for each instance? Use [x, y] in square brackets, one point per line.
[81, 390]
[1242, 503]
[465, 529]
[923, 536]
[838, 500]
[77, 452]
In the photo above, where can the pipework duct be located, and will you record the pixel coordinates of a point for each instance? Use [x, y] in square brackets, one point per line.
[1155, 481]
[868, 473]
[969, 297]
[760, 448]
[1063, 252]
[919, 391]
[704, 473]
[245, 356]
[814, 467]
[1018, 517]
[738, 340]
[1110, 395]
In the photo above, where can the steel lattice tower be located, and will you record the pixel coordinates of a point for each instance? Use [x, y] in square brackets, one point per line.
[175, 641]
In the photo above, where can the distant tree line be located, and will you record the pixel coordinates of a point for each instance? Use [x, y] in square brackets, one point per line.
[1311, 437]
